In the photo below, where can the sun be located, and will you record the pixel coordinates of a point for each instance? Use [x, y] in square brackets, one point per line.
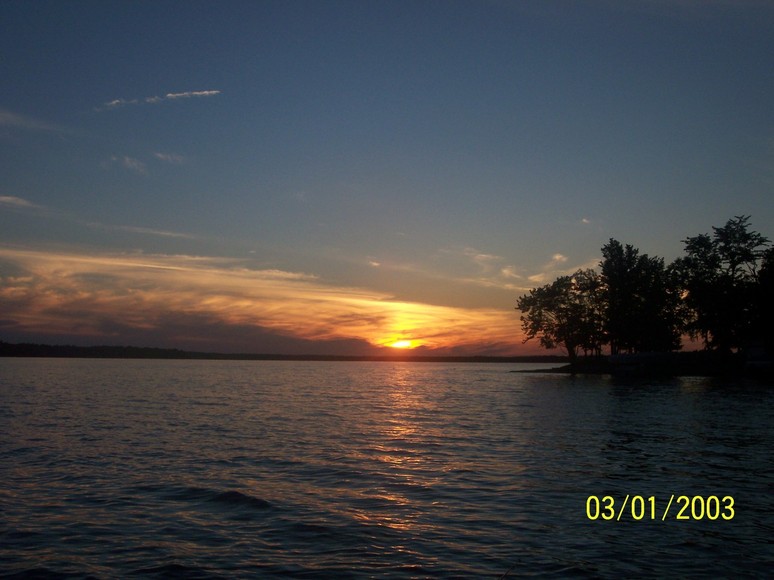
[401, 344]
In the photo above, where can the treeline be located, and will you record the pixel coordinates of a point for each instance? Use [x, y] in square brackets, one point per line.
[719, 292]
[135, 352]
[71, 351]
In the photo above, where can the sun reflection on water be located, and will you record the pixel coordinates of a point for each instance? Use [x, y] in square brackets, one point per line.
[401, 451]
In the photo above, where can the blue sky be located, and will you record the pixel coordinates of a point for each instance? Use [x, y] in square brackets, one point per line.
[418, 164]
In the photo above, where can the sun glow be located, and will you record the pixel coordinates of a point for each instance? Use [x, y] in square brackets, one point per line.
[402, 344]
[212, 303]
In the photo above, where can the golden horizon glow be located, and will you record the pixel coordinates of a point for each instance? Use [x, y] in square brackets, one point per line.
[106, 297]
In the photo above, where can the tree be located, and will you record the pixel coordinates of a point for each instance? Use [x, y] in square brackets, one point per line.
[641, 302]
[763, 317]
[719, 279]
[565, 313]
[589, 295]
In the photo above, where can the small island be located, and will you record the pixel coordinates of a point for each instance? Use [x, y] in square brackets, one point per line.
[634, 316]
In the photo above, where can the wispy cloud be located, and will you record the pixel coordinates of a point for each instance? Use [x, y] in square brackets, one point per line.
[119, 103]
[139, 230]
[170, 158]
[482, 259]
[470, 266]
[21, 204]
[466, 266]
[189, 94]
[558, 266]
[138, 165]
[131, 163]
[10, 119]
[121, 294]
[554, 265]
[510, 272]
[10, 200]
[486, 270]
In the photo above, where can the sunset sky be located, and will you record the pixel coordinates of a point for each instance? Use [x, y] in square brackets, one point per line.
[335, 177]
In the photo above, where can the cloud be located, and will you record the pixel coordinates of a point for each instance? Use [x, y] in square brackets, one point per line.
[482, 259]
[133, 164]
[127, 162]
[537, 278]
[20, 204]
[476, 268]
[141, 230]
[112, 296]
[139, 166]
[119, 103]
[492, 273]
[17, 202]
[9, 119]
[558, 266]
[189, 94]
[24, 206]
[170, 157]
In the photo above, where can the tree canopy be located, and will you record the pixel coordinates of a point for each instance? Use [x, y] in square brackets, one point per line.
[719, 291]
[565, 313]
[641, 303]
[719, 279]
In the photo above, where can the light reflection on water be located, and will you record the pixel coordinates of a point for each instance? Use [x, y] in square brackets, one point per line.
[245, 469]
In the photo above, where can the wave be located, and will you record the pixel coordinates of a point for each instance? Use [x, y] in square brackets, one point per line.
[43, 573]
[229, 498]
[175, 571]
[238, 498]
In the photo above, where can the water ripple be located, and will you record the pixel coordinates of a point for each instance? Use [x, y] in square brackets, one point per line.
[166, 469]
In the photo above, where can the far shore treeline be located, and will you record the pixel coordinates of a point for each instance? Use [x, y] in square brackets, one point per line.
[134, 352]
[720, 292]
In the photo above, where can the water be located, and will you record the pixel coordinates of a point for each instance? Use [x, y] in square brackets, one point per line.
[205, 469]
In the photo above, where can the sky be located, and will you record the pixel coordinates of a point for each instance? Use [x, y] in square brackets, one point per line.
[353, 177]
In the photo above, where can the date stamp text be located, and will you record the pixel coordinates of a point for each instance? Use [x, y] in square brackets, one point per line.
[678, 507]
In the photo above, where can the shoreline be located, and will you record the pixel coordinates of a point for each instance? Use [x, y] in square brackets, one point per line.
[692, 364]
[28, 350]
[672, 364]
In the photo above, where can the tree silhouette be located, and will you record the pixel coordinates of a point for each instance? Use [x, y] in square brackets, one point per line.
[589, 297]
[763, 325]
[721, 291]
[719, 279]
[565, 313]
[641, 304]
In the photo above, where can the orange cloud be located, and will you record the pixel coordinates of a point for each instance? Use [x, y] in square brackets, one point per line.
[187, 299]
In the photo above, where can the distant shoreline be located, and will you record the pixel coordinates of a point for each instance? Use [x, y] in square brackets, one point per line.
[668, 364]
[674, 364]
[27, 350]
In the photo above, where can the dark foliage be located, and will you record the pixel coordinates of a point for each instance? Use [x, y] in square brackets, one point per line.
[641, 303]
[720, 291]
[719, 278]
[565, 313]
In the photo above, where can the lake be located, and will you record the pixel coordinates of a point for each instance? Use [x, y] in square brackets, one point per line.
[260, 469]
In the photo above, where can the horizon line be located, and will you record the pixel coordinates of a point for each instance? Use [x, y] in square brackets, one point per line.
[40, 350]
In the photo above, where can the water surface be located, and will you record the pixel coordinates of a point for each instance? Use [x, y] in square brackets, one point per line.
[231, 469]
